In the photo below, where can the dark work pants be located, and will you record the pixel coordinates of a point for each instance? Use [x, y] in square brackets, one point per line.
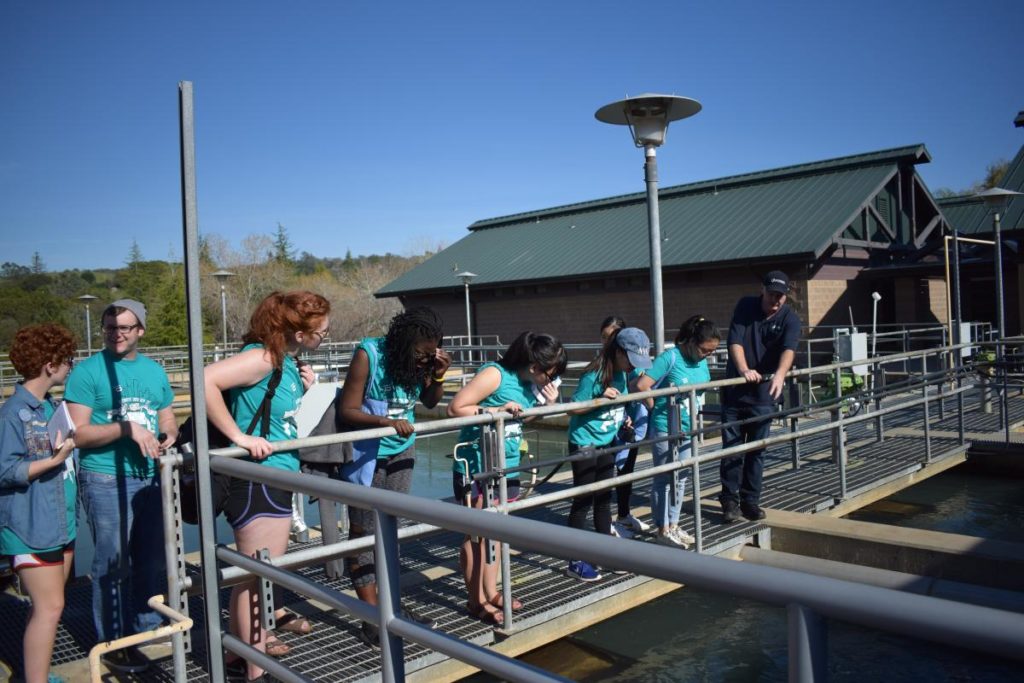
[623, 492]
[741, 474]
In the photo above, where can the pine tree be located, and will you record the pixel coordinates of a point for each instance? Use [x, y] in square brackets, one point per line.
[284, 251]
[38, 266]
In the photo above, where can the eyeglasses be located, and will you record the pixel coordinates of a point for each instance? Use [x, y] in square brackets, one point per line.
[551, 374]
[70, 362]
[704, 353]
[323, 335]
[120, 329]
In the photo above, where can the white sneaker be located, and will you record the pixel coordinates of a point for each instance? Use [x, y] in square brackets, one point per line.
[620, 530]
[684, 538]
[669, 539]
[633, 523]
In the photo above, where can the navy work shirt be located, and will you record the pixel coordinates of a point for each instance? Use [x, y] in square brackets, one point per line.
[763, 341]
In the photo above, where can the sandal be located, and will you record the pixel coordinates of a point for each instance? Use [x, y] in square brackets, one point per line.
[293, 623]
[488, 616]
[497, 601]
[277, 647]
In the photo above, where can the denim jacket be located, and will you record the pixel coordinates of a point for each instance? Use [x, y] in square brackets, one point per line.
[36, 511]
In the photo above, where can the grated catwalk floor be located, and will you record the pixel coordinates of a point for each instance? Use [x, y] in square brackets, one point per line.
[333, 653]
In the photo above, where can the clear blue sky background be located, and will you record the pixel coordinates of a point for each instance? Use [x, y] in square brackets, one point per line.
[384, 126]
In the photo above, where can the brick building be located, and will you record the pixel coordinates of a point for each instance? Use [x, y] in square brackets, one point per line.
[841, 228]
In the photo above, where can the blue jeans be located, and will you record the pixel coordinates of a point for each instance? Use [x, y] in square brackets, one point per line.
[126, 519]
[741, 474]
[665, 513]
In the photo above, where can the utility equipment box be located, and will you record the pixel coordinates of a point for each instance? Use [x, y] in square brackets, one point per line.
[965, 338]
[853, 347]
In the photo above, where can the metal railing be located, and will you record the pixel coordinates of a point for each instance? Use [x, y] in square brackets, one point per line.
[805, 597]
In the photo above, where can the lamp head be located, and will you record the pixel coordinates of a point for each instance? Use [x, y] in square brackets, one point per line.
[876, 296]
[465, 276]
[87, 299]
[996, 197]
[223, 275]
[648, 115]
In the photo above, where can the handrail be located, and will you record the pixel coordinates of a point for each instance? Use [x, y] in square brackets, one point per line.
[961, 625]
[430, 521]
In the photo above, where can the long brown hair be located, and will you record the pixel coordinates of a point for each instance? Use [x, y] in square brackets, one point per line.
[280, 315]
[605, 361]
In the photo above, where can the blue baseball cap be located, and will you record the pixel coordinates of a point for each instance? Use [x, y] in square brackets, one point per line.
[637, 346]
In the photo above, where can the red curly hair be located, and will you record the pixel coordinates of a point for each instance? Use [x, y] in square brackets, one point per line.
[36, 345]
[280, 315]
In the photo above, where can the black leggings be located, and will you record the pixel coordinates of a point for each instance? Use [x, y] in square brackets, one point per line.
[589, 471]
[624, 491]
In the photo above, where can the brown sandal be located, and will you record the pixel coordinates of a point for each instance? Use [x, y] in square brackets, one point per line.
[497, 601]
[293, 623]
[277, 647]
[488, 616]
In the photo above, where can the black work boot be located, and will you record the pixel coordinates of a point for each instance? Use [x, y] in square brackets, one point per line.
[752, 511]
[730, 512]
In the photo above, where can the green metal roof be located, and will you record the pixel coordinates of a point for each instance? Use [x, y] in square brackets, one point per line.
[786, 212]
[969, 215]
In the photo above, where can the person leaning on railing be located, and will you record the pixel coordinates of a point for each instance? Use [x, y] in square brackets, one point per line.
[606, 377]
[38, 489]
[763, 337]
[387, 376]
[684, 363]
[281, 327]
[524, 377]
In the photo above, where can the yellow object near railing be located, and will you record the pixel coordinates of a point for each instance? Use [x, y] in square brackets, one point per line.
[179, 623]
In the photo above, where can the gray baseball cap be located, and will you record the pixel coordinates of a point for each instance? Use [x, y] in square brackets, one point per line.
[135, 307]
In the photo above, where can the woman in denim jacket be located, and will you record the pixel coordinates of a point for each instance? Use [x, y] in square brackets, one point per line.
[38, 489]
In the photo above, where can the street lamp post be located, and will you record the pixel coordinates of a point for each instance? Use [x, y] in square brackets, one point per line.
[648, 117]
[466, 277]
[222, 277]
[996, 199]
[87, 299]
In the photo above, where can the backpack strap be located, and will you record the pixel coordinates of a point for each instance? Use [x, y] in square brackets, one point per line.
[262, 416]
[671, 364]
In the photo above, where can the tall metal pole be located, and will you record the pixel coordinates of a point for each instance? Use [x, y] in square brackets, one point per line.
[224, 313]
[207, 533]
[999, 275]
[469, 321]
[654, 235]
[88, 330]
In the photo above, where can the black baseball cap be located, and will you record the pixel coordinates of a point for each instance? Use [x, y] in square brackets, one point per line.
[777, 281]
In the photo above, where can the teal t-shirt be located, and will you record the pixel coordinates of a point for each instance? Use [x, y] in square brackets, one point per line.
[671, 368]
[599, 426]
[245, 401]
[11, 543]
[401, 403]
[117, 390]
[511, 388]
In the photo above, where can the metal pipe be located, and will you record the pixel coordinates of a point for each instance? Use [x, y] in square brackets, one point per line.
[207, 531]
[698, 533]
[506, 558]
[654, 237]
[389, 597]
[808, 655]
[998, 240]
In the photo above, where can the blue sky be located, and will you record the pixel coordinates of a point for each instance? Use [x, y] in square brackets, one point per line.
[392, 126]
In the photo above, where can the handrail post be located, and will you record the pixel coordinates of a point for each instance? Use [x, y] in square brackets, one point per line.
[506, 558]
[675, 429]
[1004, 368]
[794, 401]
[838, 435]
[808, 650]
[392, 653]
[927, 416]
[879, 386]
[174, 555]
[694, 454]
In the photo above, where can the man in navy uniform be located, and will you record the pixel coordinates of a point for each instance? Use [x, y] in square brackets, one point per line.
[762, 341]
